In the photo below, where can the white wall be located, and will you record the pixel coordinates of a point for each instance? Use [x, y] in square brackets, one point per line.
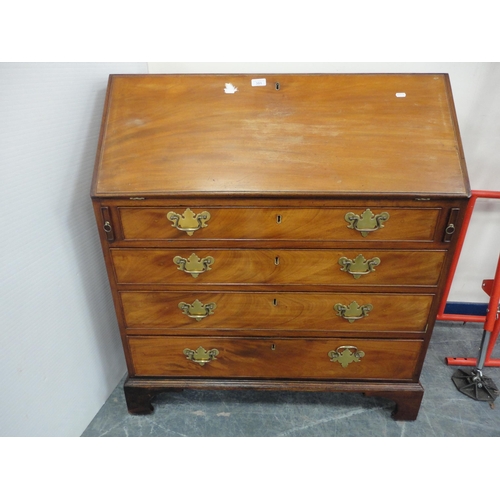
[477, 100]
[60, 350]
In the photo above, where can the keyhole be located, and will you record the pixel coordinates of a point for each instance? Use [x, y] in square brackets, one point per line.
[273, 347]
[278, 219]
[276, 261]
[277, 85]
[275, 302]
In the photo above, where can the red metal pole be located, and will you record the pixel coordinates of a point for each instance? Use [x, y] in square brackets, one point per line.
[491, 320]
[460, 243]
[441, 316]
[491, 325]
[491, 315]
[491, 346]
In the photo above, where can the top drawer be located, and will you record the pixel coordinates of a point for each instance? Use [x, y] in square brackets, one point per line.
[360, 223]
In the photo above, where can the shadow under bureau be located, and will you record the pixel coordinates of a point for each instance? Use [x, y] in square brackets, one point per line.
[278, 232]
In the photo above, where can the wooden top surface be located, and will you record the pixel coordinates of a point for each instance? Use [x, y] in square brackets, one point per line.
[317, 135]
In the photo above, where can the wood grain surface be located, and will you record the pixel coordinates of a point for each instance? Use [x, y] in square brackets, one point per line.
[275, 358]
[329, 134]
[277, 266]
[293, 312]
[322, 224]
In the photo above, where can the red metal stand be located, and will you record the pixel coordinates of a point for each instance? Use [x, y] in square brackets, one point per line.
[491, 287]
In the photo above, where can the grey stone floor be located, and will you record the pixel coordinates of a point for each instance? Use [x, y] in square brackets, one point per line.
[445, 412]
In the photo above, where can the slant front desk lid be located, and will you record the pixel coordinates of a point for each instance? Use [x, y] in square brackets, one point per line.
[287, 135]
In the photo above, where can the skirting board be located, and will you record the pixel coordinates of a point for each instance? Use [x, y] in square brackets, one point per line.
[466, 308]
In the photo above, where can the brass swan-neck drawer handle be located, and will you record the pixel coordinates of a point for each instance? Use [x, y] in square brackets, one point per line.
[345, 355]
[353, 311]
[359, 266]
[201, 356]
[367, 222]
[189, 222]
[193, 265]
[197, 310]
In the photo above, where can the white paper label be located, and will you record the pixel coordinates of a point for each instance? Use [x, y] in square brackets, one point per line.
[400, 94]
[259, 82]
[230, 88]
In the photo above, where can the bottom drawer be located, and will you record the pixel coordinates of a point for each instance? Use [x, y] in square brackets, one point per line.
[274, 358]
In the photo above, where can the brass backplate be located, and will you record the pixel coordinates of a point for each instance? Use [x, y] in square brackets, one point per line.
[201, 355]
[194, 265]
[367, 222]
[359, 266]
[189, 222]
[345, 355]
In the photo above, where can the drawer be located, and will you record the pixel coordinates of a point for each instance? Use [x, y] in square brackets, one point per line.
[272, 267]
[322, 224]
[208, 311]
[336, 358]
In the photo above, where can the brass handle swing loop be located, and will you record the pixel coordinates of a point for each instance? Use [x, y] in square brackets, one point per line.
[353, 311]
[201, 356]
[197, 310]
[189, 222]
[359, 266]
[193, 265]
[367, 222]
[345, 355]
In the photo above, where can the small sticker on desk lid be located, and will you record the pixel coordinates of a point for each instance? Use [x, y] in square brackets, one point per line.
[400, 94]
[230, 88]
[258, 82]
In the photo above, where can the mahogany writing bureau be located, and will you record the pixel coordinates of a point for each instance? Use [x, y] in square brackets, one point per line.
[278, 232]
